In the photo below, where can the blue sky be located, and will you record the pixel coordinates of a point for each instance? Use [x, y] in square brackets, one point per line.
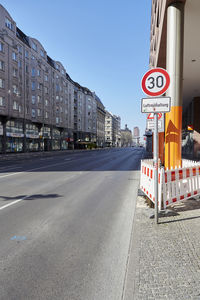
[103, 44]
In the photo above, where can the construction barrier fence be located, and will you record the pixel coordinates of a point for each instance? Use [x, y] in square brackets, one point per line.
[173, 185]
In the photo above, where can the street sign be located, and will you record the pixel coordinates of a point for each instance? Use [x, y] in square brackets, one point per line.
[150, 123]
[156, 105]
[151, 116]
[155, 82]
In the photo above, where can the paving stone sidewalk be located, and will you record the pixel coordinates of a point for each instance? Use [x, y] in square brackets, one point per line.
[164, 261]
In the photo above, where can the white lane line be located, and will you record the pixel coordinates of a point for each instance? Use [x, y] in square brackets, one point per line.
[68, 159]
[29, 170]
[14, 202]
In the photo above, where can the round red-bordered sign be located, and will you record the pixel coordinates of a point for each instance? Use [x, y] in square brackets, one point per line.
[155, 82]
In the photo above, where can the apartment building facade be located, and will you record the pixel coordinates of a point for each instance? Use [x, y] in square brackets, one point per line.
[85, 116]
[112, 130]
[41, 107]
[117, 130]
[101, 114]
[175, 46]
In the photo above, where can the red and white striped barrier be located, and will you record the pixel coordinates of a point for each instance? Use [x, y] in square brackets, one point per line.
[181, 183]
[173, 185]
[147, 180]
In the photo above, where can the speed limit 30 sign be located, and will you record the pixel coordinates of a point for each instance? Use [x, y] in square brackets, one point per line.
[155, 82]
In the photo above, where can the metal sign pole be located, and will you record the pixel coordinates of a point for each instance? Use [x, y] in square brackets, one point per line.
[155, 147]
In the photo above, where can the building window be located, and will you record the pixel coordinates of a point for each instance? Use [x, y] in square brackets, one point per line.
[33, 72]
[2, 101]
[33, 99]
[33, 57]
[42, 53]
[57, 120]
[9, 24]
[14, 89]
[20, 109]
[2, 65]
[46, 115]
[57, 97]
[1, 47]
[19, 47]
[46, 102]
[15, 105]
[39, 99]
[39, 112]
[57, 88]
[46, 77]
[26, 54]
[33, 85]
[14, 56]
[57, 67]
[46, 90]
[38, 72]
[33, 113]
[2, 83]
[14, 72]
[34, 46]
[40, 86]
[20, 63]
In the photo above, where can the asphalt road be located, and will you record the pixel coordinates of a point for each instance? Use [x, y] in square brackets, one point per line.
[65, 224]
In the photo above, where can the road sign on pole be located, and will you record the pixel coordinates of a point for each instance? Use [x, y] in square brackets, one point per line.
[155, 158]
[150, 124]
[155, 82]
[156, 105]
[151, 116]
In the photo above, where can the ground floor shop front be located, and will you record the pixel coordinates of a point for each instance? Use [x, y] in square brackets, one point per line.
[18, 136]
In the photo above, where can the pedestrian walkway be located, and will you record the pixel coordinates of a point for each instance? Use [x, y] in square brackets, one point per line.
[164, 261]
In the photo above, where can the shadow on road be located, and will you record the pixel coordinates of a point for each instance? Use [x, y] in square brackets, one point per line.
[31, 197]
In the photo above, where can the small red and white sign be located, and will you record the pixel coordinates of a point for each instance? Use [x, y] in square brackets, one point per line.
[151, 116]
[155, 82]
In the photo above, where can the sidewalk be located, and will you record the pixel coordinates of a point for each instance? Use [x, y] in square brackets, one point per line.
[164, 261]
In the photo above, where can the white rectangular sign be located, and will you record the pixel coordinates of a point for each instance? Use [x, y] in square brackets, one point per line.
[150, 125]
[156, 105]
[161, 122]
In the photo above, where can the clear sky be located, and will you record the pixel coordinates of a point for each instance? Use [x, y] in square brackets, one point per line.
[103, 44]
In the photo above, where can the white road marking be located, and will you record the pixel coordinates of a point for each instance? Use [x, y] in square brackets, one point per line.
[29, 170]
[14, 202]
[28, 196]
